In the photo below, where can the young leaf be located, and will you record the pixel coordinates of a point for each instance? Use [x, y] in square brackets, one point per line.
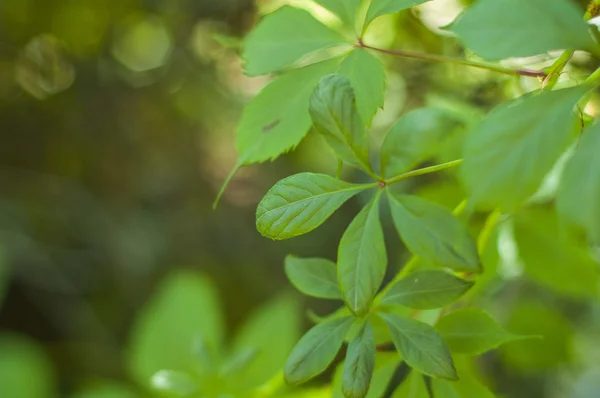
[174, 383]
[367, 77]
[434, 233]
[334, 114]
[316, 350]
[472, 331]
[382, 7]
[427, 289]
[510, 153]
[284, 37]
[551, 257]
[300, 203]
[359, 364]
[362, 259]
[413, 139]
[579, 194]
[314, 277]
[412, 387]
[421, 346]
[493, 30]
[277, 119]
[345, 9]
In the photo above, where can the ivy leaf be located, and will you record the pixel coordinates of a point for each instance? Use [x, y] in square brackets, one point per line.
[382, 7]
[284, 37]
[516, 146]
[360, 363]
[428, 289]
[314, 277]
[494, 31]
[362, 259]
[551, 257]
[316, 350]
[472, 331]
[368, 79]
[412, 387]
[277, 119]
[579, 194]
[413, 139]
[300, 203]
[345, 9]
[421, 346]
[434, 233]
[335, 116]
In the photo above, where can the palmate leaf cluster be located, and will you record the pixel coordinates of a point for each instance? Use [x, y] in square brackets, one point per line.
[506, 158]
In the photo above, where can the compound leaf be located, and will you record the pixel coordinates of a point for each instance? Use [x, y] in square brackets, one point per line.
[359, 364]
[314, 277]
[382, 7]
[345, 9]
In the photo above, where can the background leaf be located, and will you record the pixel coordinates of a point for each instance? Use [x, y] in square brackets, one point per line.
[382, 7]
[284, 37]
[417, 136]
[300, 203]
[472, 331]
[359, 364]
[412, 387]
[107, 390]
[277, 119]
[512, 150]
[428, 289]
[345, 9]
[335, 116]
[316, 350]
[368, 79]
[313, 276]
[177, 384]
[185, 307]
[579, 195]
[362, 259]
[421, 347]
[434, 233]
[494, 31]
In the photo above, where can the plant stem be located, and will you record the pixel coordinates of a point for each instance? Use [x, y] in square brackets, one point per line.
[456, 61]
[426, 170]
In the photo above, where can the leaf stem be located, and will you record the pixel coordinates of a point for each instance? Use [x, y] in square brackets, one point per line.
[456, 61]
[426, 170]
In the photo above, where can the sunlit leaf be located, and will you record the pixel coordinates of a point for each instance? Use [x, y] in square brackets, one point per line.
[300, 203]
[427, 289]
[284, 37]
[512, 150]
[421, 347]
[362, 259]
[412, 387]
[313, 276]
[472, 331]
[359, 364]
[345, 9]
[434, 233]
[316, 350]
[382, 7]
[494, 31]
[178, 384]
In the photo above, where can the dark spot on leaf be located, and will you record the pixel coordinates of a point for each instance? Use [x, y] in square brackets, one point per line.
[270, 126]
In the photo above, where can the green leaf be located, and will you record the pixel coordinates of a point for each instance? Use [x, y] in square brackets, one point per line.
[237, 364]
[176, 384]
[300, 203]
[434, 233]
[579, 194]
[382, 7]
[412, 387]
[359, 364]
[368, 79]
[428, 289]
[472, 331]
[25, 369]
[497, 30]
[273, 343]
[284, 37]
[516, 146]
[414, 138]
[185, 307]
[386, 364]
[277, 119]
[335, 116]
[316, 350]
[421, 346]
[345, 9]
[314, 277]
[106, 390]
[362, 259]
[467, 385]
[553, 258]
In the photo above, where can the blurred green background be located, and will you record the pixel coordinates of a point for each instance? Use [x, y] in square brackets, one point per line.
[118, 119]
